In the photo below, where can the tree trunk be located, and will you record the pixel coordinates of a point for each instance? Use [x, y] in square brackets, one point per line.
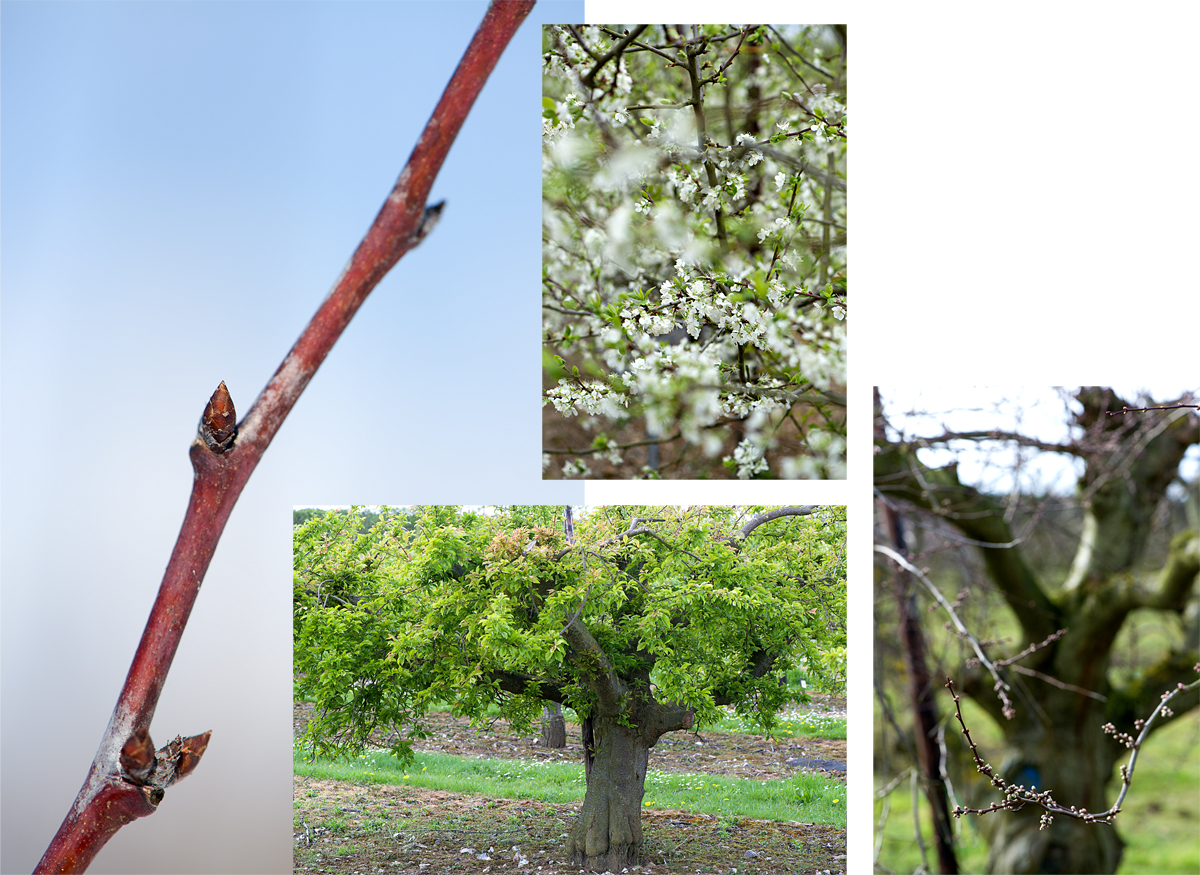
[554, 729]
[608, 833]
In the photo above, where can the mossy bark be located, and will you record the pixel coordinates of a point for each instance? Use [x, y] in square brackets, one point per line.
[607, 836]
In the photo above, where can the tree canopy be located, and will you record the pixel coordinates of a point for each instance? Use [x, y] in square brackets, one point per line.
[474, 607]
[694, 271]
[643, 620]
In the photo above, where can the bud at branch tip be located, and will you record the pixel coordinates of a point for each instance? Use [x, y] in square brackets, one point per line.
[218, 425]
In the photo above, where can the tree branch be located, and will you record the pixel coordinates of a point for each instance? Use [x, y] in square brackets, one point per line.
[760, 664]
[594, 665]
[898, 473]
[761, 518]
[519, 684]
[224, 456]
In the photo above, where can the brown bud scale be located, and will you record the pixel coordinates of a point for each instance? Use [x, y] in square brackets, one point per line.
[179, 758]
[218, 425]
[137, 756]
[190, 751]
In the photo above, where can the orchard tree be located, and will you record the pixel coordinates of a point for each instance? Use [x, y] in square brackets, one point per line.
[1038, 591]
[650, 622]
[693, 267]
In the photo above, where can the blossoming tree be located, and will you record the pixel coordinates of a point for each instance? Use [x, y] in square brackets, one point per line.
[694, 231]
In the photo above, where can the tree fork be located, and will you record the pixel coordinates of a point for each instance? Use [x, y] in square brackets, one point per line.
[126, 781]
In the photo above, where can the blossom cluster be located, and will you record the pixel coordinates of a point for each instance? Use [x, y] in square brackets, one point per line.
[694, 262]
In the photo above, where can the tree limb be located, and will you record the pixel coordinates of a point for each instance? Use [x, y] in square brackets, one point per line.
[224, 456]
[899, 474]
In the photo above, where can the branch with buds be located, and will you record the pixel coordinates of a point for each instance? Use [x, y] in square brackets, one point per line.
[1016, 795]
[128, 778]
[1125, 410]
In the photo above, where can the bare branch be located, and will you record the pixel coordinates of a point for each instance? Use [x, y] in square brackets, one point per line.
[223, 457]
[1016, 795]
[1001, 686]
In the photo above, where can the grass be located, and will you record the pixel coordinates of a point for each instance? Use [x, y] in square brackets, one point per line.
[793, 724]
[1159, 822]
[804, 797]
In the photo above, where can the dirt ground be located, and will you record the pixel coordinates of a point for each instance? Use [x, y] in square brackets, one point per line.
[345, 828]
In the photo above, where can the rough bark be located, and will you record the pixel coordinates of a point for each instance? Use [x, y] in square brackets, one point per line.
[554, 728]
[626, 722]
[607, 836]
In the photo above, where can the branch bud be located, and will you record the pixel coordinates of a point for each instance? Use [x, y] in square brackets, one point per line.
[179, 758]
[218, 425]
[137, 756]
[190, 751]
[428, 219]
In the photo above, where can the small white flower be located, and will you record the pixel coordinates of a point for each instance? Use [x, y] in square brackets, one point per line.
[576, 468]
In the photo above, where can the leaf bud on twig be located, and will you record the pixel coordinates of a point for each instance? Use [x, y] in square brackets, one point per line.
[218, 425]
[190, 751]
[137, 756]
[428, 219]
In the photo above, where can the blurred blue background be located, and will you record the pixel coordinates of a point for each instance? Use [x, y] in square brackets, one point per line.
[182, 183]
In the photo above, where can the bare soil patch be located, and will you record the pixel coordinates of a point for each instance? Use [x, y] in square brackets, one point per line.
[345, 827]
[349, 828]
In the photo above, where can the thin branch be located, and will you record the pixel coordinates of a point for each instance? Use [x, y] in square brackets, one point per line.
[1000, 687]
[608, 447]
[589, 78]
[121, 786]
[1125, 410]
[1016, 796]
[1050, 639]
[1062, 685]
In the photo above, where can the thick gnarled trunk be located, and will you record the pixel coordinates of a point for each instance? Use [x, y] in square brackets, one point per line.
[608, 833]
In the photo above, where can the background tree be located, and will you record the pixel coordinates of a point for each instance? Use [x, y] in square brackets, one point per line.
[694, 251]
[655, 619]
[1067, 584]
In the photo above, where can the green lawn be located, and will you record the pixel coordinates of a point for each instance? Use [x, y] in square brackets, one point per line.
[808, 798]
[1160, 821]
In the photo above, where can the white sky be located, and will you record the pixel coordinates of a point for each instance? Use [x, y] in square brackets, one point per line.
[1037, 412]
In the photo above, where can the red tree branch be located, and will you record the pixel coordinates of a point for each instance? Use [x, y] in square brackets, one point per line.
[128, 777]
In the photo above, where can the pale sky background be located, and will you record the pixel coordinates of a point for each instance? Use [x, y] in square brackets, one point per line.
[1035, 411]
[183, 182]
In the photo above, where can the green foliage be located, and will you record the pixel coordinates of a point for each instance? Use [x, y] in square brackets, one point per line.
[470, 609]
